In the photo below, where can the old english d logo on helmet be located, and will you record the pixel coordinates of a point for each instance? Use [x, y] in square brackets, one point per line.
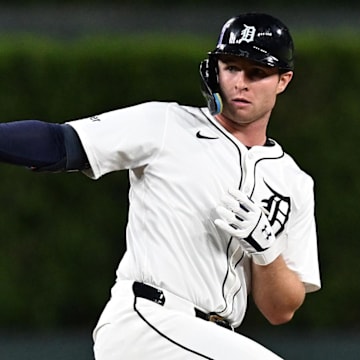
[247, 35]
[258, 37]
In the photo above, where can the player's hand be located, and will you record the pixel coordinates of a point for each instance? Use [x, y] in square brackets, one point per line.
[241, 218]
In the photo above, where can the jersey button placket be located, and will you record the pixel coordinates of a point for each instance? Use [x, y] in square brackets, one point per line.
[248, 182]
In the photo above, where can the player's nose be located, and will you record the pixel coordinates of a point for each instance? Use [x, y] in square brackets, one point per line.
[241, 80]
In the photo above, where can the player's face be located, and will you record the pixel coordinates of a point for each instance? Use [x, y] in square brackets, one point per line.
[249, 89]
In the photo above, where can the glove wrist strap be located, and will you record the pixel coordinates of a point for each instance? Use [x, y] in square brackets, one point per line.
[267, 256]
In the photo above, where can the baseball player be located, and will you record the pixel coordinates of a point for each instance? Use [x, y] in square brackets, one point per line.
[218, 211]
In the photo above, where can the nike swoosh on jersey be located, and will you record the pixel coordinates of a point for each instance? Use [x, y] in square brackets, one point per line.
[201, 136]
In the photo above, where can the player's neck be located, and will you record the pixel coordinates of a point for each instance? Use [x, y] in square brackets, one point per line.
[251, 134]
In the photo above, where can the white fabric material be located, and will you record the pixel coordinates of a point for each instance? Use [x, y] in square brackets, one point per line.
[166, 332]
[181, 162]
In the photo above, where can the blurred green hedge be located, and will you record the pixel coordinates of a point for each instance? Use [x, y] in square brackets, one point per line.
[275, 3]
[63, 234]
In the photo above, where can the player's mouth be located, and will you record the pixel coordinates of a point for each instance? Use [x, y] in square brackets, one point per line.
[241, 102]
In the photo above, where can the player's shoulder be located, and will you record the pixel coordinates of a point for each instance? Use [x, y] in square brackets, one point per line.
[153, 106]
[293, 167]
[166, 107]
[297, 172]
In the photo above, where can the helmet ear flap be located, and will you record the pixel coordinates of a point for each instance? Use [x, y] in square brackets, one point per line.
[210, 84]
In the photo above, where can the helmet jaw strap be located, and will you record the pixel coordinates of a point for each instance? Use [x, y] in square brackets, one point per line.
[210, 86]
[215, 104]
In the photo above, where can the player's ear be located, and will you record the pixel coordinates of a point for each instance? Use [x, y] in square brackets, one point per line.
[284, 80]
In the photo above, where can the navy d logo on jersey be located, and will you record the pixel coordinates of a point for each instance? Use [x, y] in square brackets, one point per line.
[278, 207]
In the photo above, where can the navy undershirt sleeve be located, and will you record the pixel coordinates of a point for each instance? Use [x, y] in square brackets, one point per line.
[41, 145]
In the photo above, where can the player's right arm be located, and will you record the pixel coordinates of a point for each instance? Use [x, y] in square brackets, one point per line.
[41, 146]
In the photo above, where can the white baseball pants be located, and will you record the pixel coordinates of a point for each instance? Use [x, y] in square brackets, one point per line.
[133, 328]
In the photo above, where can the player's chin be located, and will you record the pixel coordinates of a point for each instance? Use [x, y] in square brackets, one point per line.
[238, 115]
[241, 119]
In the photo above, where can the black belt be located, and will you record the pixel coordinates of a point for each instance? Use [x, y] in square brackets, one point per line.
[156, 295]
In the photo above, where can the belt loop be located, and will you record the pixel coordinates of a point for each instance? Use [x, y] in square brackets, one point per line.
[148, 292]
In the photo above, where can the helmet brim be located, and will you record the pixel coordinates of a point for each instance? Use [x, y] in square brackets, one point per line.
[253, 53]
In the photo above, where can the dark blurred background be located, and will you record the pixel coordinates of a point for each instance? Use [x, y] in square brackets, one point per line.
[63, 235]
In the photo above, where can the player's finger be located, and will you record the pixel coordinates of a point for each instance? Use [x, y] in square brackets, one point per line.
[244, 201]
[224, 226]
[230, 202]
[228, 215]
[237, 217]
[235, 224]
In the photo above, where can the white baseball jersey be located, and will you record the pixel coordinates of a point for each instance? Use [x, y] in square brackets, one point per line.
[181, 161]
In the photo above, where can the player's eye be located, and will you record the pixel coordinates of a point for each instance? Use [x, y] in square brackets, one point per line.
[231, 68]
[257, 73]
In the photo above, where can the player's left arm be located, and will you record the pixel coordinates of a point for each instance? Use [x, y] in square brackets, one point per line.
[277, 291]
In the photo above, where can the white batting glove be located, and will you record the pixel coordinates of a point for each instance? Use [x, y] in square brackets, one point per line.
[241, 218]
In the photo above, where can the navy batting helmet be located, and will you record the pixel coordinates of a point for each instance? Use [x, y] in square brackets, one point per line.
[255, 36]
